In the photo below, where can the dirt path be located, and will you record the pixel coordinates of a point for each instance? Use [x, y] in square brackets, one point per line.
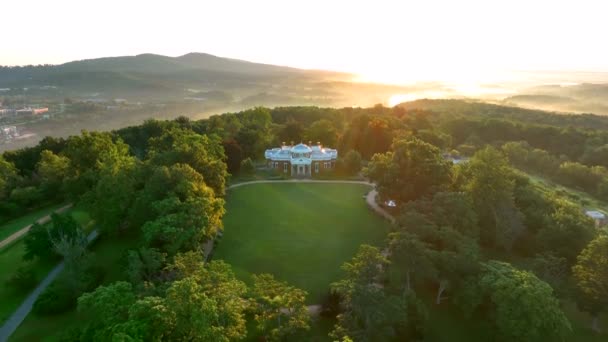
[18, 234]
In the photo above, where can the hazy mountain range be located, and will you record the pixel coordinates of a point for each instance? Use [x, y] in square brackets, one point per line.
[156, 78]
[84, 94]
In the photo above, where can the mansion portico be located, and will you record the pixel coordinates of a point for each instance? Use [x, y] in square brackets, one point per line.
[301, 160]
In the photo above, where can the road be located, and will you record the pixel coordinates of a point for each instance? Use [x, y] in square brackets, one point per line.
[18, 234]
[24, 309]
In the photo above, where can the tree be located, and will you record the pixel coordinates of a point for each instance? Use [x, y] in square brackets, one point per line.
[184, 225]
[322, 131]
[455, 262]
[368, 313]
[107, 306]
[292, 131]
[206, 303]
[525, 308]
[351, 162]
[144, 264]
[247, 167]
[411, 255]
[413, 169]
[89, 153]
[110, 200]
[255, 134]
[8, 177]
[568, 232]
[204, 153]
[489, 180]
[52, 170]
[591, 276]
[39, 240]
[279, 309]
[234, 155]
[177, 209]
[551, 269]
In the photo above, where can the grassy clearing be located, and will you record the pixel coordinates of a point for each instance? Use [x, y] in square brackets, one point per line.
[12, 226]
[299, 232]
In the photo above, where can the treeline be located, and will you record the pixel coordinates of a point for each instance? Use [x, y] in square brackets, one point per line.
[452, 218]
[590, 179]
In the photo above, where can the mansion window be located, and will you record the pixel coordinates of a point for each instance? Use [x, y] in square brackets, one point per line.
[285, 167]
[317, 167]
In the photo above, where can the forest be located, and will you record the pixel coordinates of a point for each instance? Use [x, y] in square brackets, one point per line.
[478, 237]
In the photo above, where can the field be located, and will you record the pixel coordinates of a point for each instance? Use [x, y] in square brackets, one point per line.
[300, 233]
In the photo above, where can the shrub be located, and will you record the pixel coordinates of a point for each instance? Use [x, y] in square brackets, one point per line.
[56, 299]
[247, 167]
[331, 304]
[23, 280]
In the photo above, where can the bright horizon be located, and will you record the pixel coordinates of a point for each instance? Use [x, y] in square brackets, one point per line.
[384, 41]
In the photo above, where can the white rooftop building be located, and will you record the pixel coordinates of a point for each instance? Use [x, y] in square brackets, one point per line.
[597, 216]
[301, 160]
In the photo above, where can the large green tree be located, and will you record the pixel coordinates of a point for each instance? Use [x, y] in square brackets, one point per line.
[40, 238]
[591, 276]
[322, 131]
[52, 170]
[490, 181]
[8, 177]
[524, 307]
[204, 153]
[568, 232]
[279, 309]
[88, 154]
[411, 170]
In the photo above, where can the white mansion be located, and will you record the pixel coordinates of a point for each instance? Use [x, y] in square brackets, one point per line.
[301, 160]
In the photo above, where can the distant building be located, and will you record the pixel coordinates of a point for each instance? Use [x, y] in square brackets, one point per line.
[301, 160]
[31, 111]
[598, 217]
[8, 132]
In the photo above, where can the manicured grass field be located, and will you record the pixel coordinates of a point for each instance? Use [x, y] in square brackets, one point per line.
[12, 226]
[301, 233]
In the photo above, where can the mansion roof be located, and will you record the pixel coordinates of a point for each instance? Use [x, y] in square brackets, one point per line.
[301, 151]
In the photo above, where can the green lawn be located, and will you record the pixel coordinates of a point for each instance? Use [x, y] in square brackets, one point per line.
[299, 232]
[11, 260]
[12, 226]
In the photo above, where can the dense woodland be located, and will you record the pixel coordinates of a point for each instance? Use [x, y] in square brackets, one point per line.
[477, 235]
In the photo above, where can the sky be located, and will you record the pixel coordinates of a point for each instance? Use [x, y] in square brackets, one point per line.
[381, 40]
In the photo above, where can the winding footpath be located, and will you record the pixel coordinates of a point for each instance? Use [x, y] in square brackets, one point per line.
[18, 234]
[24, 309]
